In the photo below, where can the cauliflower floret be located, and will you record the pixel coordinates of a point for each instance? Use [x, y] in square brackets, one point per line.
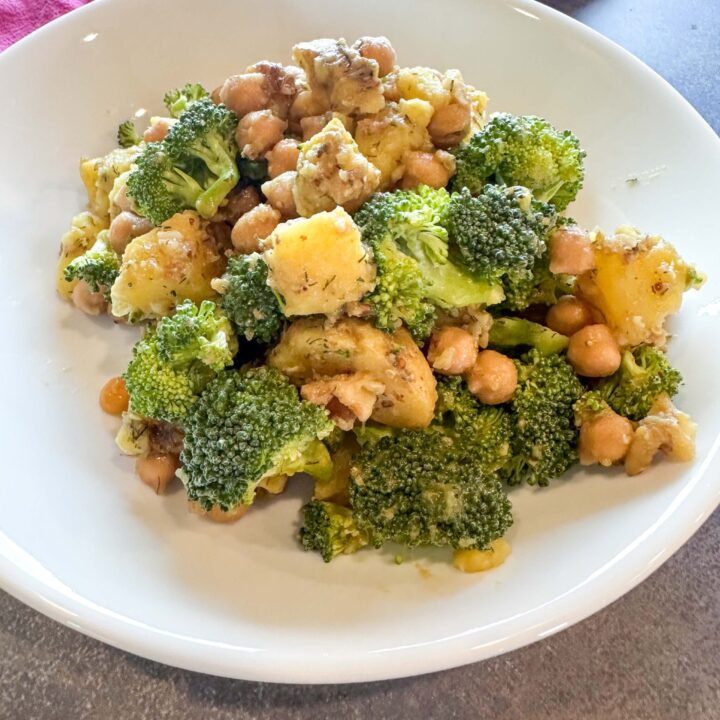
[665, 429]
[386, 137]
[311, 349]
[99, 175]
[637, 282]
[318, 264]
[331, 171]
[340, 77]
[167, 265]
[79, 238]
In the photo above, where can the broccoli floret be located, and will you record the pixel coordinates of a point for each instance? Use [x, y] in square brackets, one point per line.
[486, 429]
[249, 425]
[415, 270]
[500, 236]
[523, 150]
[514, 332]
[425, 487]
[178, 100]
[544, 443]
[251, 305]
[330, 530]
[643, 376]
[174, 361]
[98, 266]
[192, 168]
[127, 134]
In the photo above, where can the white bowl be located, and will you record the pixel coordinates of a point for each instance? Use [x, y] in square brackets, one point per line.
[82, 540]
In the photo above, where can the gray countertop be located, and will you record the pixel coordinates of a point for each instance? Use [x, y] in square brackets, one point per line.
[653, 654]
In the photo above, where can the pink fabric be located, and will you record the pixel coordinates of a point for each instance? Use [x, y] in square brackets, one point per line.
[20, 17]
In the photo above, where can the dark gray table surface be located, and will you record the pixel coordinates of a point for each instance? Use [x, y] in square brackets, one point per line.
[653, 654]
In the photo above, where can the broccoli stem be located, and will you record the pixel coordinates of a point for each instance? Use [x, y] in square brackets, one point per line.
[513, 332]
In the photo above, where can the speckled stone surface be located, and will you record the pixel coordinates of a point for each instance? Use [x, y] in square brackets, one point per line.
[653, 655]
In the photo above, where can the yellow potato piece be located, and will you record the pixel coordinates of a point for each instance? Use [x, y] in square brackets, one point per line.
[78, 239]
[311, 349]
[167, 265]
[638, 281]
[384, 138]
[472, 561]
[99, 175]
[318, 264]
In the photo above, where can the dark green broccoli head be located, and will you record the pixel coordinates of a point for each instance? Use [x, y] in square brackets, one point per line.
[192, 168]
[250, 304]
[523, 150]
[415, 270]
[500, 235]
[486, 430]
[98, 266]
[545, 439]
[127, 134]
[330, 530]
[643, 376]
[246, 426]
[424, 487]
[178, 100]
[174, 361]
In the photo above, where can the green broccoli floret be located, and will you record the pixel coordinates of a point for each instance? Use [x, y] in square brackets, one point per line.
[174, 361]
[98, 266]
[644, 374]
[251, 305]
[513, 332]
[127, 134]
[500, 236]
[486, 429]
[544, 443]
[330, 530]
[425, 487]
[178, 100]
[249, 425]
[192, 168]
[415, 270]
[523, 150]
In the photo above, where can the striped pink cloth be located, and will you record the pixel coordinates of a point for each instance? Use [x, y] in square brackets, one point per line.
[20, 17]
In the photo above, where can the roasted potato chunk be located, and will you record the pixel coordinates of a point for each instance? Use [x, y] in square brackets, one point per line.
[311, 349]
[99, 175]
[638, 281]
[160, 269]
[78, 239]
[318, 264]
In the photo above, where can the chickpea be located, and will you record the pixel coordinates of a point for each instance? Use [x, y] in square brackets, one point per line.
[424, 168]
[91, 303]
[493, 378]
[254, 226]
[306, 104]
[605, 439]
[257, 132]
[215, 95]
[471, 561]
[279, 193]
[114, 398]
[157, 470]
[594, 352]
[245, 93]
[452, 351]
[571, 251]
[450, 124]
[158, 130]
[568, 315]
[312, 125]
[283, 157]
[121, 200]
[378, 49]
[126, 226]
